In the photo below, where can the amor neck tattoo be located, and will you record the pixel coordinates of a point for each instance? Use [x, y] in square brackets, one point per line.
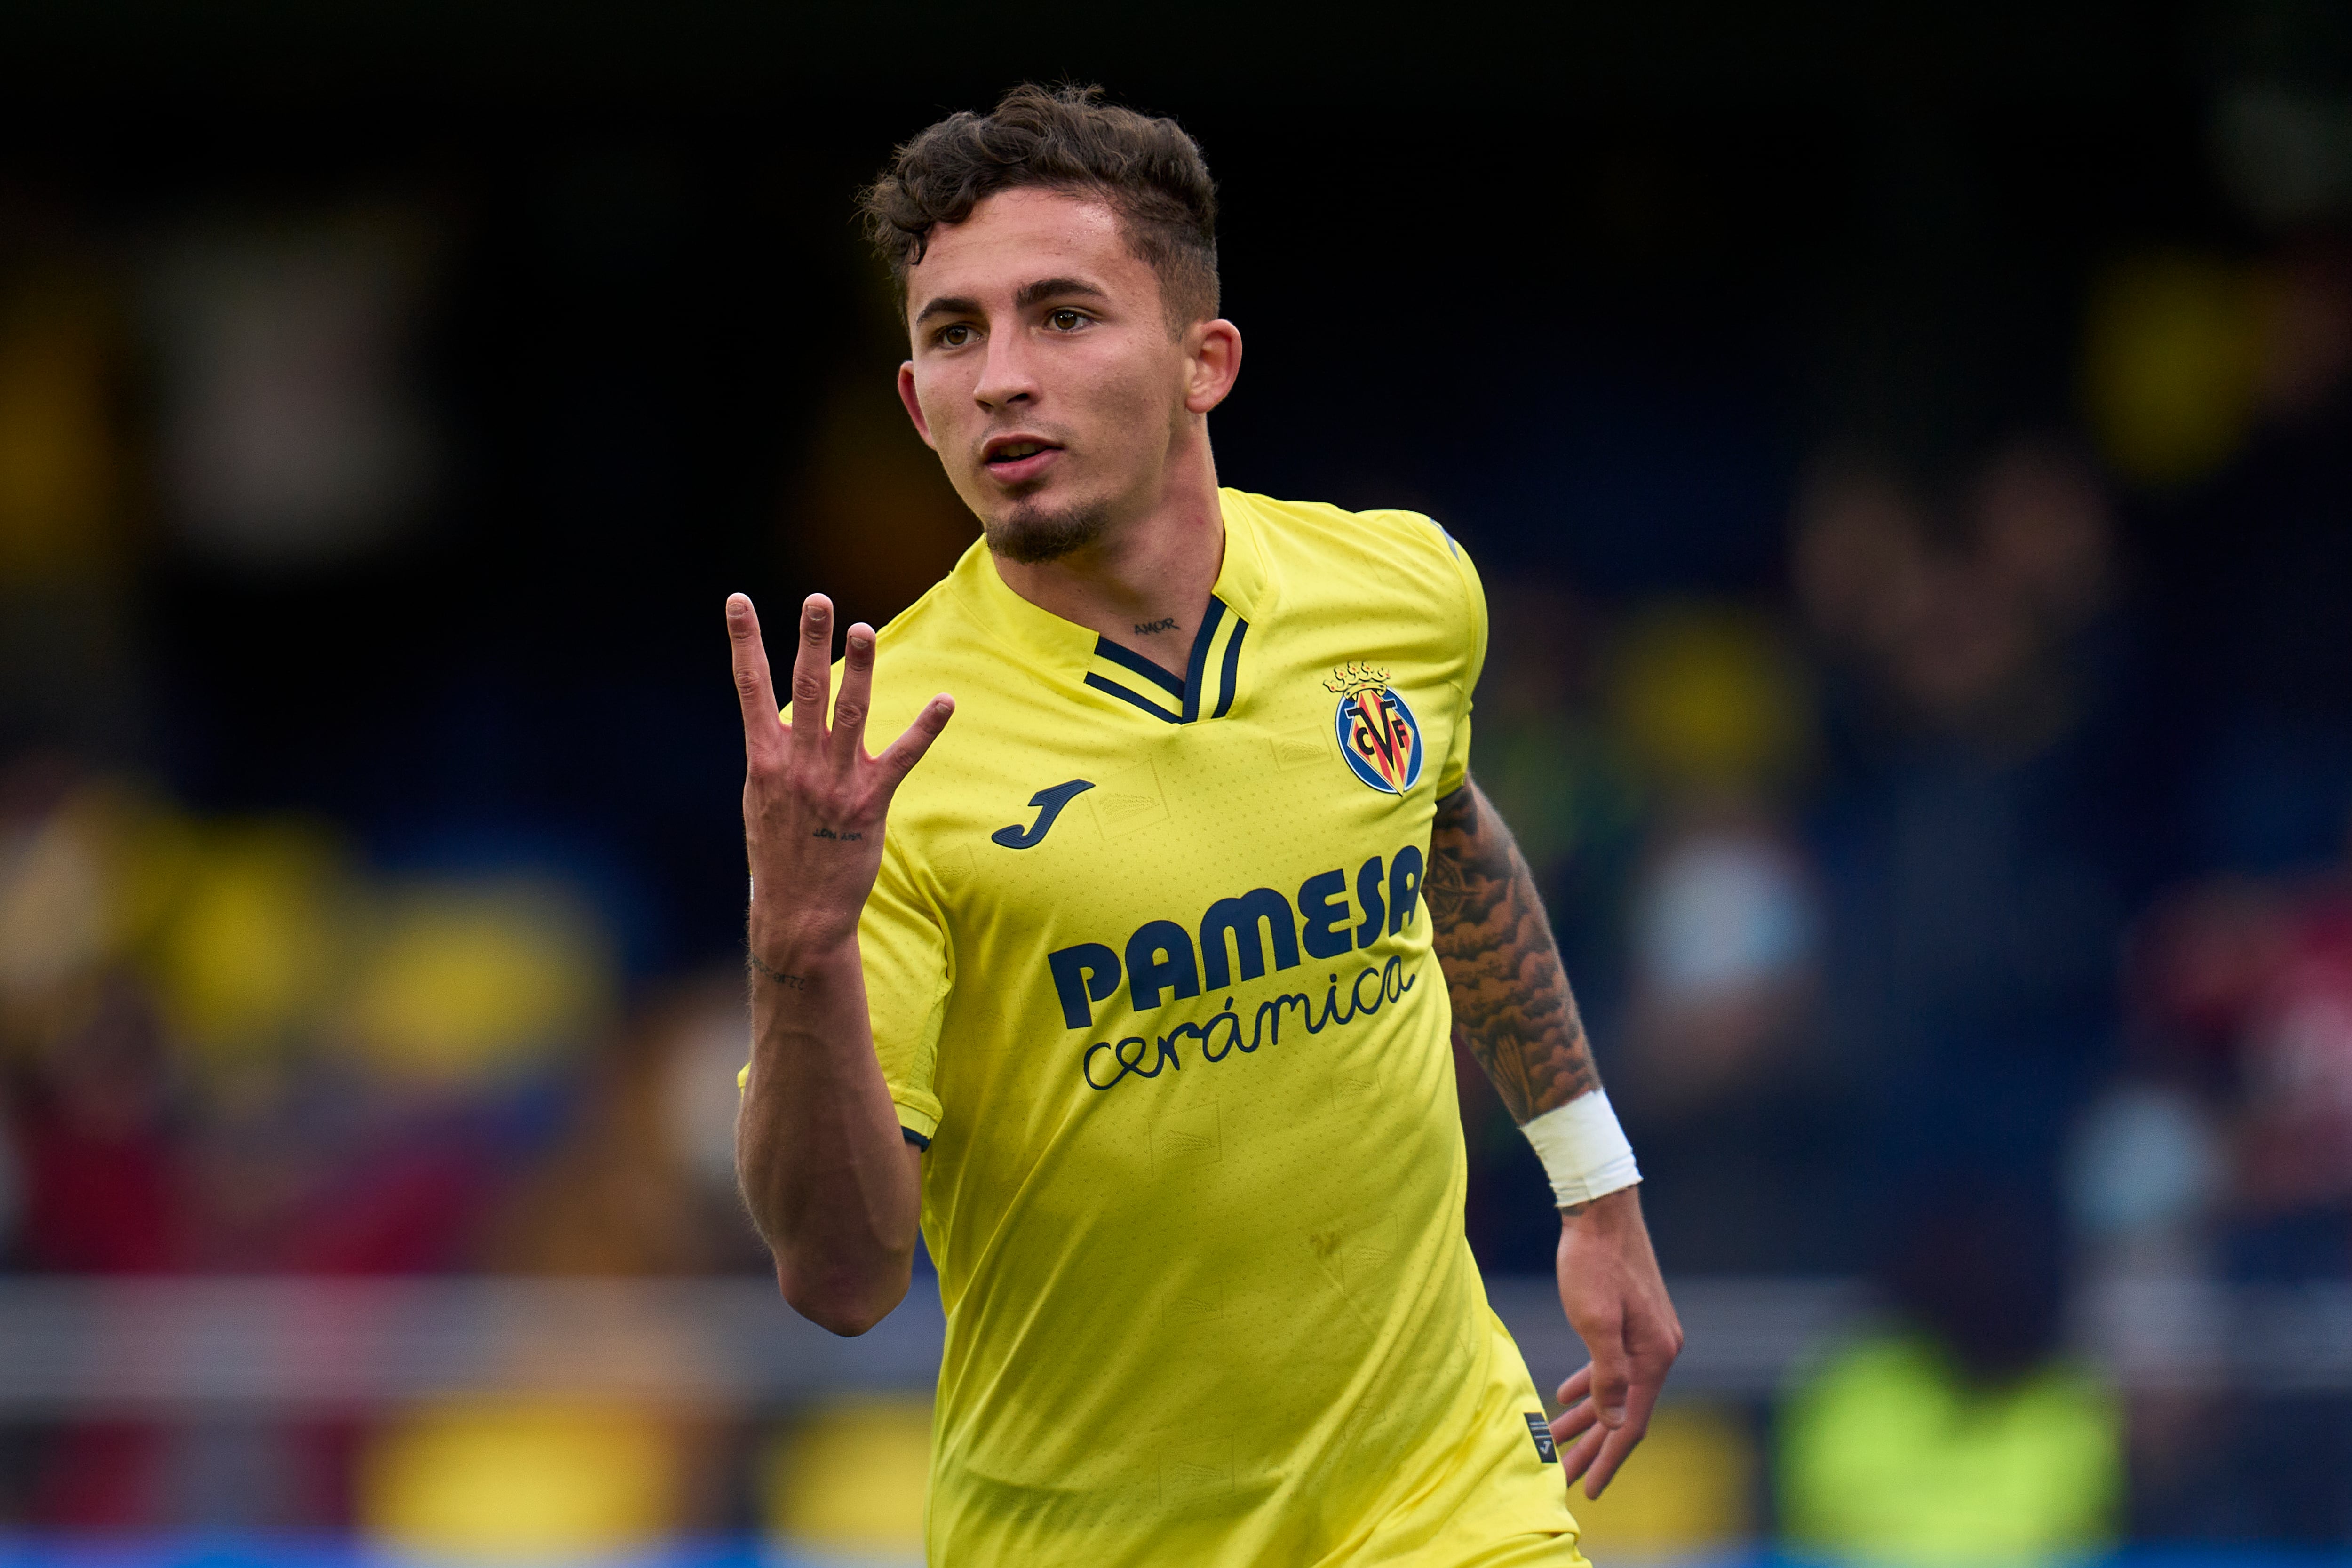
[1512, 1006]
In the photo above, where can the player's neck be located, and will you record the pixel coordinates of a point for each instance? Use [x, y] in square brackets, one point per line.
[1146, 584]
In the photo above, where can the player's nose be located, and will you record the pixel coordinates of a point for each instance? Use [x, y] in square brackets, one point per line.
[1005, 377]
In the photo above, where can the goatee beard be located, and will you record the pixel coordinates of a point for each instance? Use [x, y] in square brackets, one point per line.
[1032, 536]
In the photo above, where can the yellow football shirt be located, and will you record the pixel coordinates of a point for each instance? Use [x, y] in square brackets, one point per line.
[1149, 971]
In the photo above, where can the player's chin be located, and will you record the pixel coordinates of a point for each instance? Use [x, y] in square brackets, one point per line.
[1032, 532]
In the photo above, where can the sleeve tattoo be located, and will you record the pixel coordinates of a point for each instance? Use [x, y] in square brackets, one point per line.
[1512, 1006]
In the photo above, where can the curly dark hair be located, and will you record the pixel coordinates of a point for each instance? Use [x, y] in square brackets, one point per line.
[1063, 139]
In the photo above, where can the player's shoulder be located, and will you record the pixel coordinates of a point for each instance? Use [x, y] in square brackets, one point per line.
[1323, 529]
[932, 626]
[1387, 562]
[941, 632]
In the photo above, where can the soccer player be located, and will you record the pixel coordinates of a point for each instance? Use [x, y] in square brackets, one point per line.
[1133, 988]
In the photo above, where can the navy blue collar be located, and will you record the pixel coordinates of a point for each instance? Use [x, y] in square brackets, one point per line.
[1211, 675]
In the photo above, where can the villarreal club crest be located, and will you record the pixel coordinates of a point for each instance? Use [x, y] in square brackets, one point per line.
[1378, 736]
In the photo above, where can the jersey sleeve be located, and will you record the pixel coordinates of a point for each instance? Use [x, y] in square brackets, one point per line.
[905, 951]
[1472, 610]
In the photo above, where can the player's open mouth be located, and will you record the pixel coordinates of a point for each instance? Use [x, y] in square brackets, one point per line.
[1016, 460]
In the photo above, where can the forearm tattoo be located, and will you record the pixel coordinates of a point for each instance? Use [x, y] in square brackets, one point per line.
[770, 972]
[1512, 1006]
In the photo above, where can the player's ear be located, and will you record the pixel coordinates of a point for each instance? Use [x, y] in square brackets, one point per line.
[914, 407]
[1212, 362]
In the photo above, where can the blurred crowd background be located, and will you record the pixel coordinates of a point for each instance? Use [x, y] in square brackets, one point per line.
[1911, 464]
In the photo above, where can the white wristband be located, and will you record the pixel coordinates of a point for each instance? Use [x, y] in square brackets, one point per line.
[1583, 1150]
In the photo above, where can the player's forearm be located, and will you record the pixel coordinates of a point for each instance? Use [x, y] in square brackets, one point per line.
[1512, 1005]
[830, 1181]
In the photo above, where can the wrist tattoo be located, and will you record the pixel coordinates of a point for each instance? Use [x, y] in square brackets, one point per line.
[788, 981]
[842, 837]
[1513, 1009]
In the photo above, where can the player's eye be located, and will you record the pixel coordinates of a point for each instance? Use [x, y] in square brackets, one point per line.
[1066, 320]
[955, 335]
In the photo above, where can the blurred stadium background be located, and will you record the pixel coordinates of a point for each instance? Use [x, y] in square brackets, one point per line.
[1910, 453]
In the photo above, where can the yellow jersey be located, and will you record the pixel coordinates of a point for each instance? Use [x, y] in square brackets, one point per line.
[1151, 979]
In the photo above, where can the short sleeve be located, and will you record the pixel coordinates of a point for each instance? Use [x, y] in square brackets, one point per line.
[905, 951]
[1456, 771]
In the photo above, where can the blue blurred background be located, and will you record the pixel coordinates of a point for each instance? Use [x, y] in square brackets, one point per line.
[1910, 455]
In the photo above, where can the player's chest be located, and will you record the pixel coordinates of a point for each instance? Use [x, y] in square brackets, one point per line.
[1064, 815]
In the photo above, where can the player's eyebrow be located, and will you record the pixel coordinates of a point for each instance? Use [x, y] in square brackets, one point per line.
[1052, 288]
[948, 305]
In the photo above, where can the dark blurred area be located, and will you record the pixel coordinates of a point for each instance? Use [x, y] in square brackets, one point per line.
[1909, 453]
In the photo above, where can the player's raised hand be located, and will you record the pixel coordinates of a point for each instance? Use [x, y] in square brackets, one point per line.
[813, 801]
[1610, 1287]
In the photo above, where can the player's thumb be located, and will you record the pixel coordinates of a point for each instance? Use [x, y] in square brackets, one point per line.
[1613, 1380]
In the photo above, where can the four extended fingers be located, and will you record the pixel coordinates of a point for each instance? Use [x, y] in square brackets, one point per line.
[812, 686]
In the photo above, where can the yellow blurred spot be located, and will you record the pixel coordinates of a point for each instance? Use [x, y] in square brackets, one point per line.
[853, 1477]
[250, 948]
[153, 848]
[1707, 695]
[467, 982]
[526, 1479]
[1686, 1489]
[2172, 363]
[1887, 1455]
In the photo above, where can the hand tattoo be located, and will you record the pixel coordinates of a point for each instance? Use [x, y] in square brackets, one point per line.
[1512, 1006]
[788, 981]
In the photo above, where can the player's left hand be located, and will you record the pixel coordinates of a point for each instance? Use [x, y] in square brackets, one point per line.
[1617, 1304]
